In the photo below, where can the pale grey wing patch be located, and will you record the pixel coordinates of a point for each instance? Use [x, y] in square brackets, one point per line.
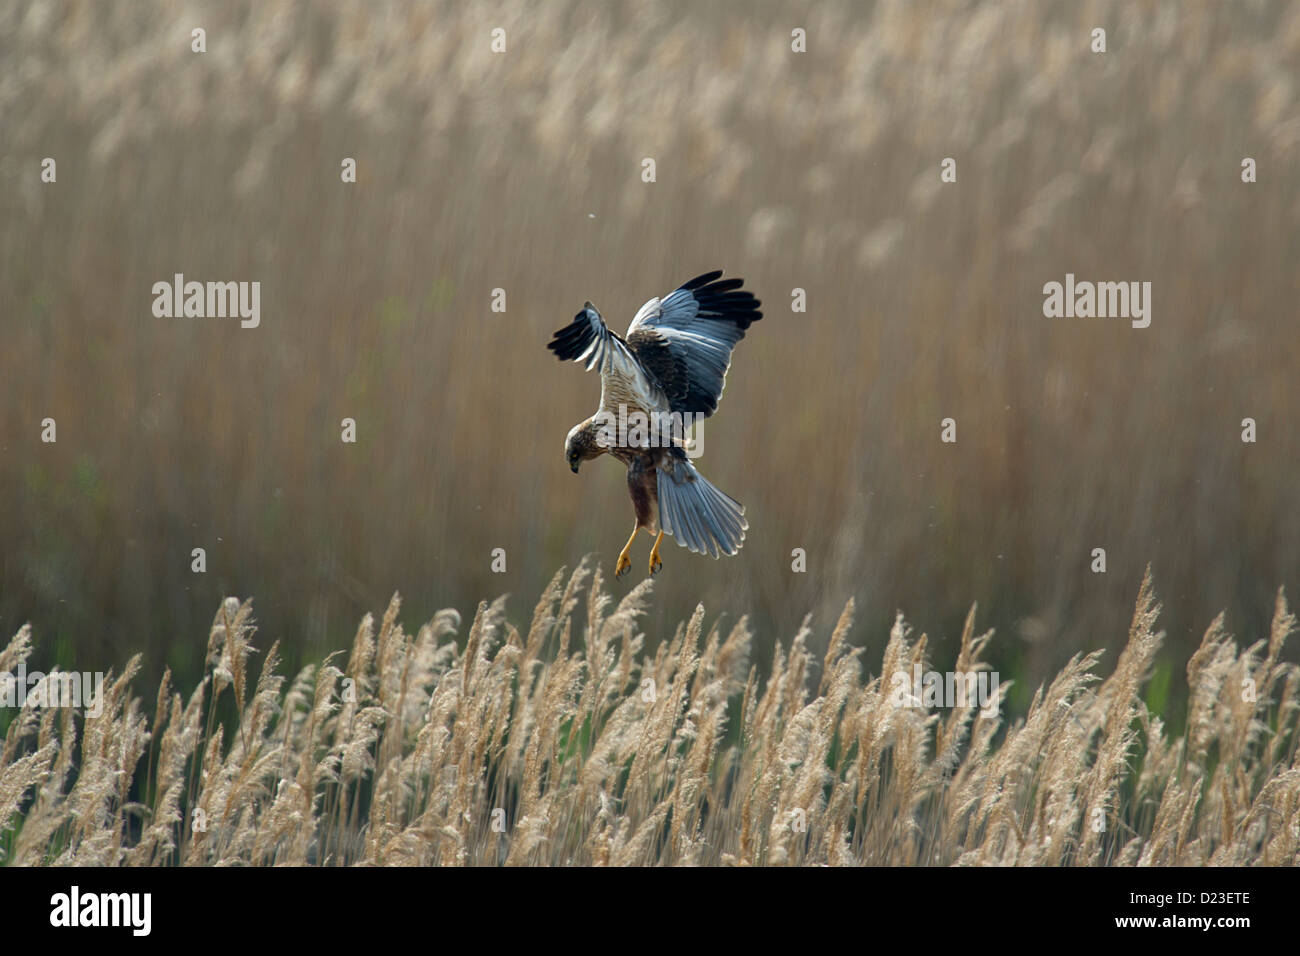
[645, 314]
[701, 322]
[698, 515]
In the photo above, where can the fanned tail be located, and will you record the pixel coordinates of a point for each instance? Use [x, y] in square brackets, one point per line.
[697, 514]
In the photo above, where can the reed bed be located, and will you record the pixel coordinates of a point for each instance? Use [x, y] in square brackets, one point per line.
[570, 744]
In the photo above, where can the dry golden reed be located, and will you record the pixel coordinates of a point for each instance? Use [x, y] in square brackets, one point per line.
[571, 744]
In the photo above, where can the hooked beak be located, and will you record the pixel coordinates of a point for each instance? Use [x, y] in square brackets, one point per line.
[574, 467]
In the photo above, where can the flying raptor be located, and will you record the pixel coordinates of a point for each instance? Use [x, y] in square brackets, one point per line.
[667, 371]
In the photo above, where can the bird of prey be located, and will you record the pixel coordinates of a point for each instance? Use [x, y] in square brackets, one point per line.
[672, 363]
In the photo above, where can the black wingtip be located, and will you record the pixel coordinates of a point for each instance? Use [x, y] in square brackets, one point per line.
[704, 279]
[725, 299]
[572, 340]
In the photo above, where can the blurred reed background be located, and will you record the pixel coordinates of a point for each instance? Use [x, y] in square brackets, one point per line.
[523, 171]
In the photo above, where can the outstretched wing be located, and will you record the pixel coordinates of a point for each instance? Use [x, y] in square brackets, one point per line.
[685, 340]
[623, 379]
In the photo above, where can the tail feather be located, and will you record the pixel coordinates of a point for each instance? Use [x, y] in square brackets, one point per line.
[697, 514]
[670, 516]
[713, 530]
[731, 520]
[684, 527]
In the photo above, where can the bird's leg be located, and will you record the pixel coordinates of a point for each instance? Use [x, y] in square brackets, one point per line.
[655, 563]
[624, 562]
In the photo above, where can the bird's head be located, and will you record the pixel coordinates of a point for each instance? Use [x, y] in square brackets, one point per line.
[581, 445]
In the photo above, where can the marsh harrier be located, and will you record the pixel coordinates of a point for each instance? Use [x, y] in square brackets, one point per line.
[667, 372]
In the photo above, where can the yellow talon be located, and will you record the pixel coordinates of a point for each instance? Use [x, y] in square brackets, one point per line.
[624, 562]
[655, 563]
